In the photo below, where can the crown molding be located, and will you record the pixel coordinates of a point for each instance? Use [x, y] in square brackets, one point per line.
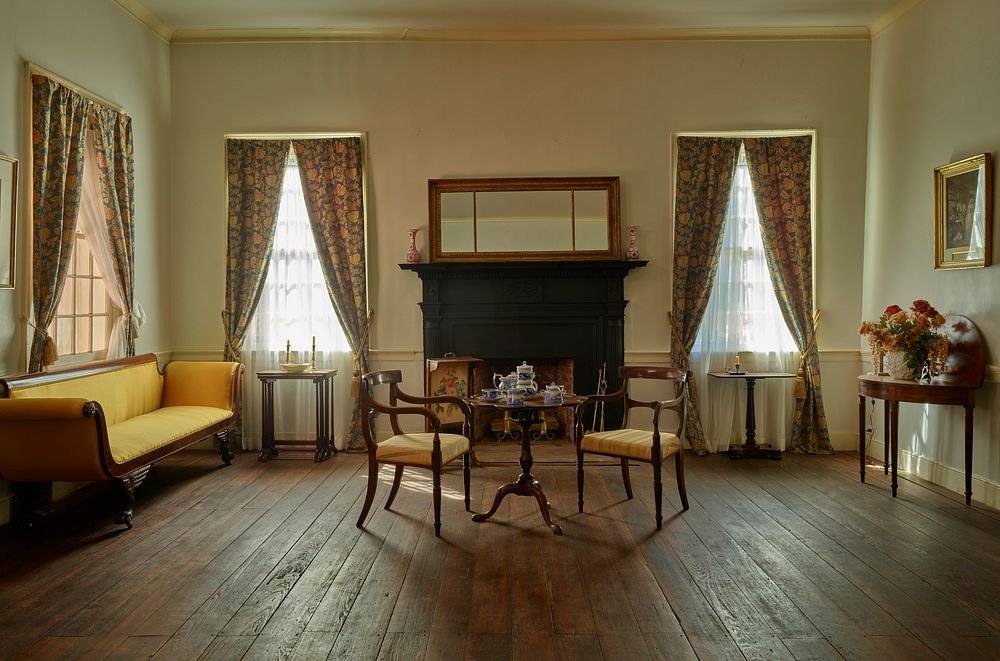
[139, 12]
[893, 15]
[283, 35]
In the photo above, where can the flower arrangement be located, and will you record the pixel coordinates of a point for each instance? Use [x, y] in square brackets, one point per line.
[911, 332]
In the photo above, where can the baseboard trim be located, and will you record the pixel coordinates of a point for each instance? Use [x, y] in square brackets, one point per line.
[984, 491]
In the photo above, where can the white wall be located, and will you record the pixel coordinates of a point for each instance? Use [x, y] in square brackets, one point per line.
[101, 48]
[436, 110]
[935, 90]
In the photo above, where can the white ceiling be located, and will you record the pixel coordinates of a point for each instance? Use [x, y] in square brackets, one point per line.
[180, 18]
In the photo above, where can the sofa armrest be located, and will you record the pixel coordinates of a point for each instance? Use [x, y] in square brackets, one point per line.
[51, 438]
[191, 383]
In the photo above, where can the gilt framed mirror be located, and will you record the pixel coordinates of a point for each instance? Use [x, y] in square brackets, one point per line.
[524, 219]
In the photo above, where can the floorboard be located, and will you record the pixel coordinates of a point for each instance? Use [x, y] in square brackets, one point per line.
[791, 559]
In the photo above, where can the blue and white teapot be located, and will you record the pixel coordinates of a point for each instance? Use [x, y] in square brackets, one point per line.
[526, 378]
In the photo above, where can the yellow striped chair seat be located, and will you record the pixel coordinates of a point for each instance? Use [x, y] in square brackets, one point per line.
[632, 443]
[415, 448]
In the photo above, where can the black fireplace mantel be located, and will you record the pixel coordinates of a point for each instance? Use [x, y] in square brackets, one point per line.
[529, 311]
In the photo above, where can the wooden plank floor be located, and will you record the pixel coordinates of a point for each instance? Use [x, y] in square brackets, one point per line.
[775, 560]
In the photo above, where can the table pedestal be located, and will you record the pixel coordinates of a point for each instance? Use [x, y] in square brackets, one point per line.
[750, 449]
[526, 484]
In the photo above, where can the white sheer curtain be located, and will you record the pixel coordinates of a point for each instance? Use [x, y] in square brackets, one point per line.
[294, 306]
[94, 226]
[743, 316]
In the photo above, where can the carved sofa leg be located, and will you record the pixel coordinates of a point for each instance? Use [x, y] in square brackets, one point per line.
[224, 451]
[31, 500]
[130, 482]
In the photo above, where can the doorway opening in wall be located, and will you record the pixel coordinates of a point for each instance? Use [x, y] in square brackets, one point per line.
[294, 307]
[743, 318]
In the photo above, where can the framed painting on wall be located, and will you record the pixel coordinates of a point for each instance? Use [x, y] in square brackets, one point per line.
[8, 219]
[963, 213]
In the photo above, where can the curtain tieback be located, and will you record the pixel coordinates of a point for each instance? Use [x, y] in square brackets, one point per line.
[136, 319]
[684, 355]
[359, 354]
[231, 347]
[49, 352]
[806, 374]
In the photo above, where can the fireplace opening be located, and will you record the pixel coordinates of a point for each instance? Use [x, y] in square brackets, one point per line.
[492, 425]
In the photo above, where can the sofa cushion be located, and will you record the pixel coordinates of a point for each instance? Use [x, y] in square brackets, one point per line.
[144, 433]
[190, 383]
[123, 393]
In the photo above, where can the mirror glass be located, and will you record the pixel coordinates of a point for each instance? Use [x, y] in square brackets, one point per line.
[524, 219]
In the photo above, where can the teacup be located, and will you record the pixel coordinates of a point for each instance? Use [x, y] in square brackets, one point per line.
[490, 393]
[514, 397]
[552, 396]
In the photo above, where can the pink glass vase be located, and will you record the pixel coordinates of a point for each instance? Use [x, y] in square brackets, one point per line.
[632, 253]
[412, 254]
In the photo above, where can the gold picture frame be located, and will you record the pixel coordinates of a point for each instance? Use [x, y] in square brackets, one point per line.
[8, 220]
[963, 213]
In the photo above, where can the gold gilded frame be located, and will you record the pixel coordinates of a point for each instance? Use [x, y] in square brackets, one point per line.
[435, 187]
[947, 216]
[8, 216]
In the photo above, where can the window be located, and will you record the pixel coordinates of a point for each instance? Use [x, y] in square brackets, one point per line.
[294, 306]
[86, 314]
[743, 318]
[743, 307]
[83, 318]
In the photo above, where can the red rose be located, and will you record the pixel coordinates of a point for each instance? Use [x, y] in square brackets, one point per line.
[891, 310]
[921, 306]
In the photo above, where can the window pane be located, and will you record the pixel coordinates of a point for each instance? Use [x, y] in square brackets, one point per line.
[82, 334]
[100, 333]
[83, 296]
[82, 256]
[68, 296]
[64, 335]
[100, 297]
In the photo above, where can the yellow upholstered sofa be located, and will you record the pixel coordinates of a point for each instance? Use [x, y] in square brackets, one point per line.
[108, 420]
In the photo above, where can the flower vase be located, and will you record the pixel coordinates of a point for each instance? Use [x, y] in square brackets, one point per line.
[412, 254]
[632, 253]
[895, 365]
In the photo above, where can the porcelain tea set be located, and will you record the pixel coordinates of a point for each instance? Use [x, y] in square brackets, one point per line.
[520, 384]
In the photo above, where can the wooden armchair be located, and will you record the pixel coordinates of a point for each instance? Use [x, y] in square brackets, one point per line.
[637, 444]
[430, 450]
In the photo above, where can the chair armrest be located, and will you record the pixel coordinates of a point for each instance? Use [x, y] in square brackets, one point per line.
[52, 438]
[191, 383]
[436, 399]
[678, 404]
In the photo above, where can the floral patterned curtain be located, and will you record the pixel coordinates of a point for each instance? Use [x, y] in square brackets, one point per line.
[255, 171]
[113, 138]
[705, 170]
[58, 121]
[780, 170]
[331, 171]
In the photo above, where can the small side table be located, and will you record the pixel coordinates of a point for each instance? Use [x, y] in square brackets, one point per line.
[750, 448]
[323, 380]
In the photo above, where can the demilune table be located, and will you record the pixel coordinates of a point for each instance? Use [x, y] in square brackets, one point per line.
[323, 379]
[750, 448]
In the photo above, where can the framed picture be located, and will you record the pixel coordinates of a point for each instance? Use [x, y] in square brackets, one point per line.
[963, 216]
[8, 219]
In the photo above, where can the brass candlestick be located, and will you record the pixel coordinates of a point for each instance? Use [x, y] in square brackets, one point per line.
[288, 351]
[312, 361]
